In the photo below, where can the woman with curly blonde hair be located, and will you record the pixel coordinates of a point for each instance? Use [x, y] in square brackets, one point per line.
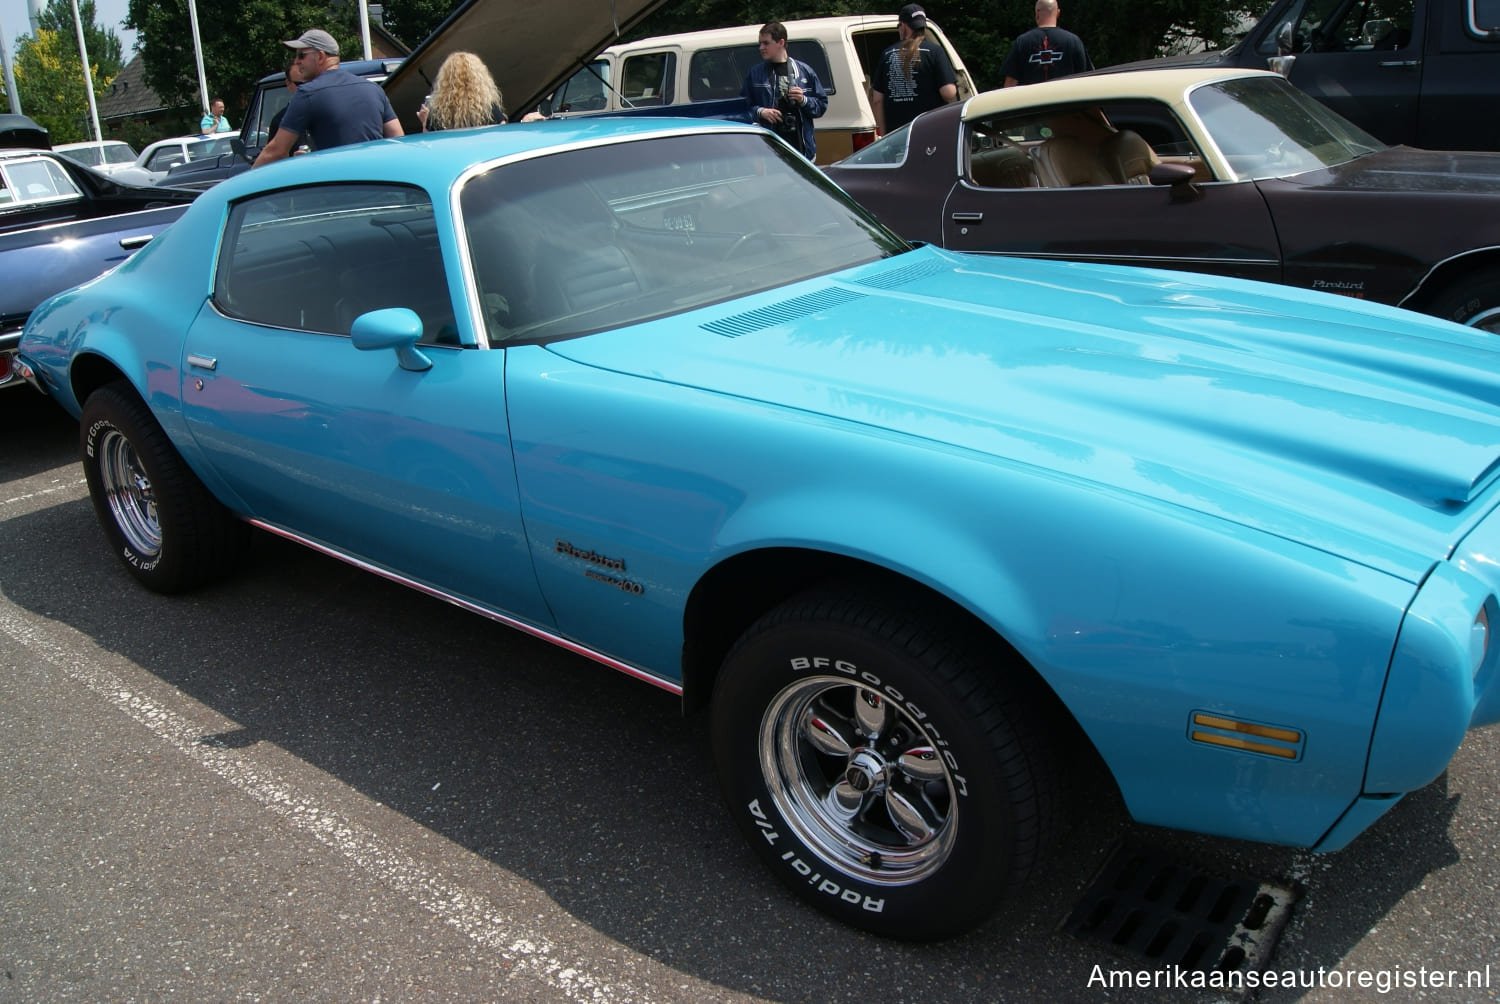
[465, 96]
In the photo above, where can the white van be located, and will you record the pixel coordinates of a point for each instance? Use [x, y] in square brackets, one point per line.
[711, 65]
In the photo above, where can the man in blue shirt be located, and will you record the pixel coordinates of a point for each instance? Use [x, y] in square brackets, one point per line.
[332, 106]
[785, 94]
[214, 121]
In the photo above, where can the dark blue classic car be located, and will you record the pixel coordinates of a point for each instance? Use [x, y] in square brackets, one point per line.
[908, 522]
[62, 224]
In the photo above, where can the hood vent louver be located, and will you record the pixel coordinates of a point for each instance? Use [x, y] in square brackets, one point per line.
[891, 278]
[779, 313]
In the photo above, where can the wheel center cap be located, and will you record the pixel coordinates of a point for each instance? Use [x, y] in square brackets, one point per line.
[865, 771]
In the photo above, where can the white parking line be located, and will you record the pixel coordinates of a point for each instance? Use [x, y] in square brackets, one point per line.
[71, 487]
[528, 952]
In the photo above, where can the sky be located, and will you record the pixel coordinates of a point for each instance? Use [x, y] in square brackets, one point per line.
[14, 22]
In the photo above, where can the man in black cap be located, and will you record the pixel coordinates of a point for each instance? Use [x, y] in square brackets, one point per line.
[332, 106]
[913, 76]
[1046, 52]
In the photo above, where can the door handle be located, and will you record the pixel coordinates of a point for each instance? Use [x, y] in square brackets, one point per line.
[202, 362]
[968, 217]
[1401, 63]
[139, 241]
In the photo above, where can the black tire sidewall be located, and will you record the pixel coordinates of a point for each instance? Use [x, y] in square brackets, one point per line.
[109, 410]
[978, 870]
[1468, 297]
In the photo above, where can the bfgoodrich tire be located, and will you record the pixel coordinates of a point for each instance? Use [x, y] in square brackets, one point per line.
[1474, 300]
[879, 763]
[169, 531]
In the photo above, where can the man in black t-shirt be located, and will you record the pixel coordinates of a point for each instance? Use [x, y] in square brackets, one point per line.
[1046, 52]
[913, 76]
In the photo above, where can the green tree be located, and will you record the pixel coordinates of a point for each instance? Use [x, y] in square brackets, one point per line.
[413, 20]
[105, 52]
[50, 79]
[242, 42]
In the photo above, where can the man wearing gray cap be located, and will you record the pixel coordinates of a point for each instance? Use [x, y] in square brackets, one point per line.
[332, 106]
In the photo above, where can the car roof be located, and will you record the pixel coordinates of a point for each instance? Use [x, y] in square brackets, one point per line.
[1158, 85]
[436, 160]
[739, 34]
[91, 142]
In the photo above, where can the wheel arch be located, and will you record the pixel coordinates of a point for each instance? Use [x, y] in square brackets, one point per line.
[1449, 271]
[739, 590]
[90, 371]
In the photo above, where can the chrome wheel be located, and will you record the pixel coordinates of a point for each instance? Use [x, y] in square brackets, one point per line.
[127, 488]
[858, 780]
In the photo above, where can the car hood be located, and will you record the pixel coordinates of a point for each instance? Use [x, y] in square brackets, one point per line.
[1359, 429]
[1407, 169]
[529, 49]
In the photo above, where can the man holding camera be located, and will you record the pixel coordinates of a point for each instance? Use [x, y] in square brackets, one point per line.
[784, 93]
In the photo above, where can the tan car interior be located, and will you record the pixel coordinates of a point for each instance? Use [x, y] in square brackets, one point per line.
[1080, 147]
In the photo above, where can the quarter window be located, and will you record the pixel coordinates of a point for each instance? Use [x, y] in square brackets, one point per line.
[38, 180]
[314, 259]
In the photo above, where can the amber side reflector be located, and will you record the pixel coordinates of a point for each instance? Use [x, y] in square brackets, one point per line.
[1248, 736]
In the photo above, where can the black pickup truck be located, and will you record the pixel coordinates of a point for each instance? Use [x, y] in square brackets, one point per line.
[1421, 72]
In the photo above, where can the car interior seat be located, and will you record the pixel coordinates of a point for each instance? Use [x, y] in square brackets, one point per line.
[1128, 157]
[1065, 161]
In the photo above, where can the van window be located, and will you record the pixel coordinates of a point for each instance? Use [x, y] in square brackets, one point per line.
[647, 79]
[1334, 26]
[584, 91]
[720, 73]
[1484, 18]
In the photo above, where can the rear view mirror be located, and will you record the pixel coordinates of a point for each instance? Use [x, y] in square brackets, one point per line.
[1281, 64]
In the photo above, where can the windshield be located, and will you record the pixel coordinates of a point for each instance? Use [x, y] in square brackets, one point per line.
[1266, 128]
[88, 156]
[580, 241]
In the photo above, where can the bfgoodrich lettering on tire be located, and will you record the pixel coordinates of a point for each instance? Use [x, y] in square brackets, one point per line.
[878, 762]
[164, 525]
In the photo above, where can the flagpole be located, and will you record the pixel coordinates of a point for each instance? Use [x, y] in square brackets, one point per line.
[88, 75]
[197, 55]
[364, 25]
[10, 76]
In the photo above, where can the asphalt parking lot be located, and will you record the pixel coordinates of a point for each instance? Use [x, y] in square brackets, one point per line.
[309, 783]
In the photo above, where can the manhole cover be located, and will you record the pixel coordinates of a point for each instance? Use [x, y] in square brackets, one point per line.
[1152, 906]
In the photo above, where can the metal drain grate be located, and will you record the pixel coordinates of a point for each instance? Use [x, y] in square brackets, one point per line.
[1145, 903]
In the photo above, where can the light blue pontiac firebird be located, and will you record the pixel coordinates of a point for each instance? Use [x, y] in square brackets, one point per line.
[909, 522]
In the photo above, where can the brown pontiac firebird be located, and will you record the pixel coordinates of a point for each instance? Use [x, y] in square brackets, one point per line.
[1234, 172]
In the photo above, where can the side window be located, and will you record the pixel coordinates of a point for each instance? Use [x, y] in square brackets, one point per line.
[811, 52]
[1484, 19]
[720, 73]
[314, 259]
[165, 159]
[273, 99]
[1333, 26]
[646, 79]
[38, 180]
[584, 91]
